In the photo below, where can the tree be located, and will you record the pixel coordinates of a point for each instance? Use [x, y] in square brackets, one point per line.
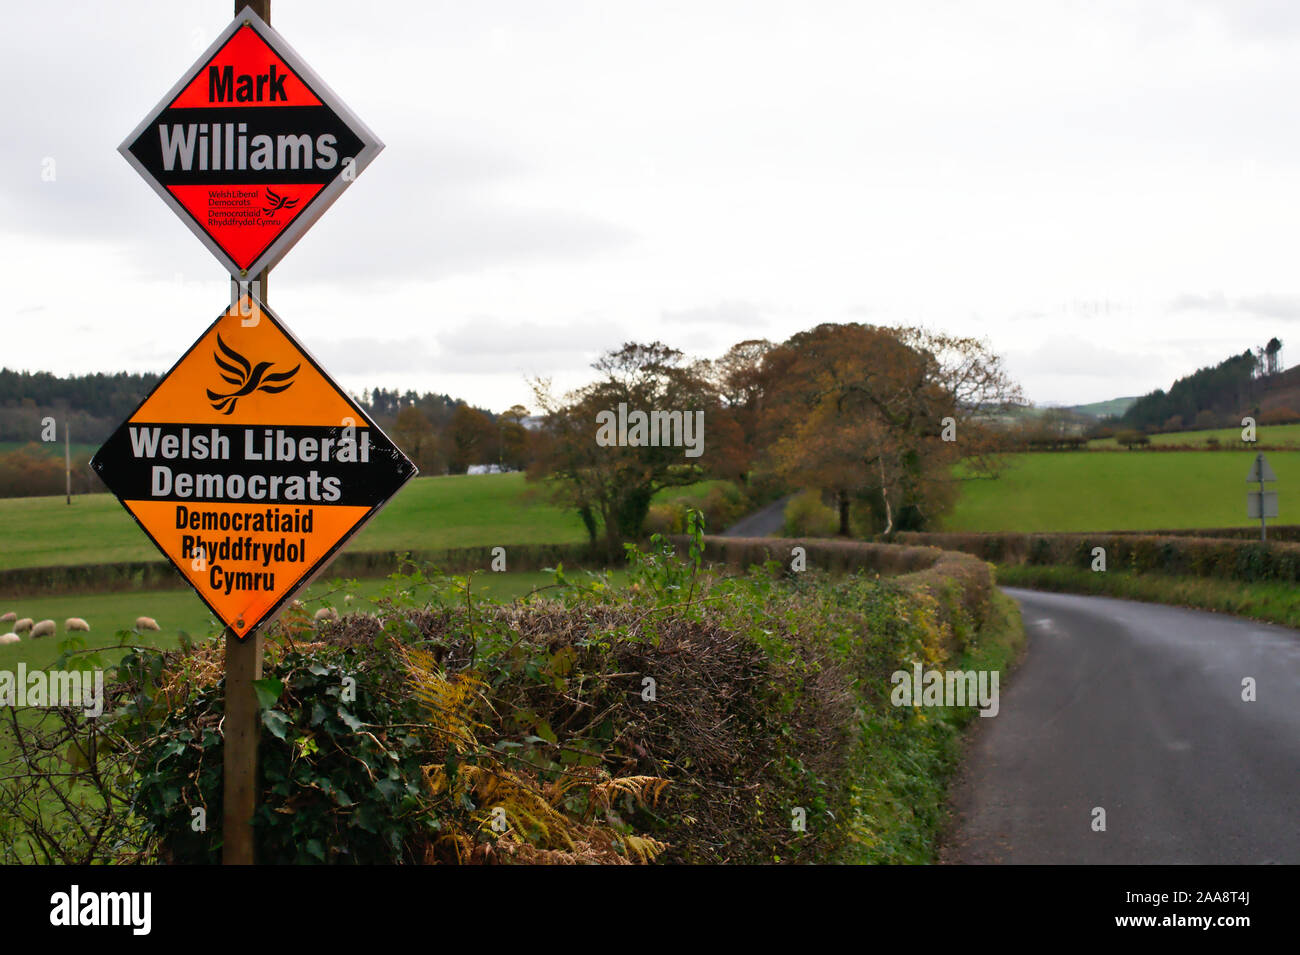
[1273, 357]
[616, 481]
[469, 437]
[513, 436]
[884, 414]
[414, 434]
[1131, 438]
[741, 380]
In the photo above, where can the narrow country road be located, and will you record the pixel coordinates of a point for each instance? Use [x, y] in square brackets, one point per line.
[764, 522]
[1137, 709]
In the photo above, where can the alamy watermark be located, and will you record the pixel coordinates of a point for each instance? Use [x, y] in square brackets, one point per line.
[654, 429]
[946, 688]
[51, 688]
[75, 907]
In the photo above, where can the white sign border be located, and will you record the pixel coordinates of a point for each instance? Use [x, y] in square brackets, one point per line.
[370, 148]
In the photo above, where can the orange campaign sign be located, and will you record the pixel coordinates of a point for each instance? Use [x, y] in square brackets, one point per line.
[250, 147]
[248, 467]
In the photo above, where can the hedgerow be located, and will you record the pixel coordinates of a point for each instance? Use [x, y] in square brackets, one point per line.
[1227, 558]
[690, 716]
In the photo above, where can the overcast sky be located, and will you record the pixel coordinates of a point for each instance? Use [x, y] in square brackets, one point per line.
[1107, 192]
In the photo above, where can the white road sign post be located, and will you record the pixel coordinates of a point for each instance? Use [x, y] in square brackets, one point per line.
[1261, 503]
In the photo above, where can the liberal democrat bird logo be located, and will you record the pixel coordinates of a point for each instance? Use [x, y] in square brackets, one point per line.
[275, 202]
[246, 377]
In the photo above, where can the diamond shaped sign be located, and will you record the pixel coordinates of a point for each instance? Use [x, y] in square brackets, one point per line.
[250, 147]
[248, 467]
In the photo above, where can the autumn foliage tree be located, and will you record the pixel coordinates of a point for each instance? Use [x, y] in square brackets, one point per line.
[414, 434]
[514, 438]
[882, 415]
[614, 484]
[741, 380]
[470, 438]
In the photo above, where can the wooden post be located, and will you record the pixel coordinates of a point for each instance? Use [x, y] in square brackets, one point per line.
[241, 729]
[243, 725]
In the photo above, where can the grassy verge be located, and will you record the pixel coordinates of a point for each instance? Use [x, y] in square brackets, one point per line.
[906, 758]
[1271, 602]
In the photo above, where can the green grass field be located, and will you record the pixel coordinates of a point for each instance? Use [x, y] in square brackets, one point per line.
[433, 513]
[1065, 491]
[428, 514]
[1273, 434]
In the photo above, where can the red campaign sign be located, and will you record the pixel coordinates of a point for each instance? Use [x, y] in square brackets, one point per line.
[250, 147]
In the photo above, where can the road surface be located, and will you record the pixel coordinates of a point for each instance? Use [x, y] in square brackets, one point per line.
[764, 522]
[1137, 709]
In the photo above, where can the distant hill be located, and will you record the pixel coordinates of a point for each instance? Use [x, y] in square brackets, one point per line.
[1102, 409]
[1281, 391]
[1219, 389]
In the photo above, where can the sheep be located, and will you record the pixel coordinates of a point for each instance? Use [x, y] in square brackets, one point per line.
[146, 623]
[46, 628]
[23, 625]
[10, 617]
[9, 638]
[325, 613]
[75, 623]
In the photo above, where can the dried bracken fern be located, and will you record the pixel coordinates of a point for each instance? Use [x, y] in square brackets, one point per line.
[517, 816]
[448, 702]
[644, 789]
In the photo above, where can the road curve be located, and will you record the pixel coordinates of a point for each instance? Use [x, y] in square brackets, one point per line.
[1136, 708]
[764, 522]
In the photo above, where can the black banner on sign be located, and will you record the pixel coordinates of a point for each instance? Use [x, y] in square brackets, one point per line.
[284, 144]
[251, 465]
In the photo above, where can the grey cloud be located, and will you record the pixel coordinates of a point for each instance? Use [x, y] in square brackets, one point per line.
[1069, 356]
[1265, 305]
[375, 356]
[488, 336]
[724, 313]
[1266, 20]
[1271, 306]
[1197, 302]
[484, 344]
